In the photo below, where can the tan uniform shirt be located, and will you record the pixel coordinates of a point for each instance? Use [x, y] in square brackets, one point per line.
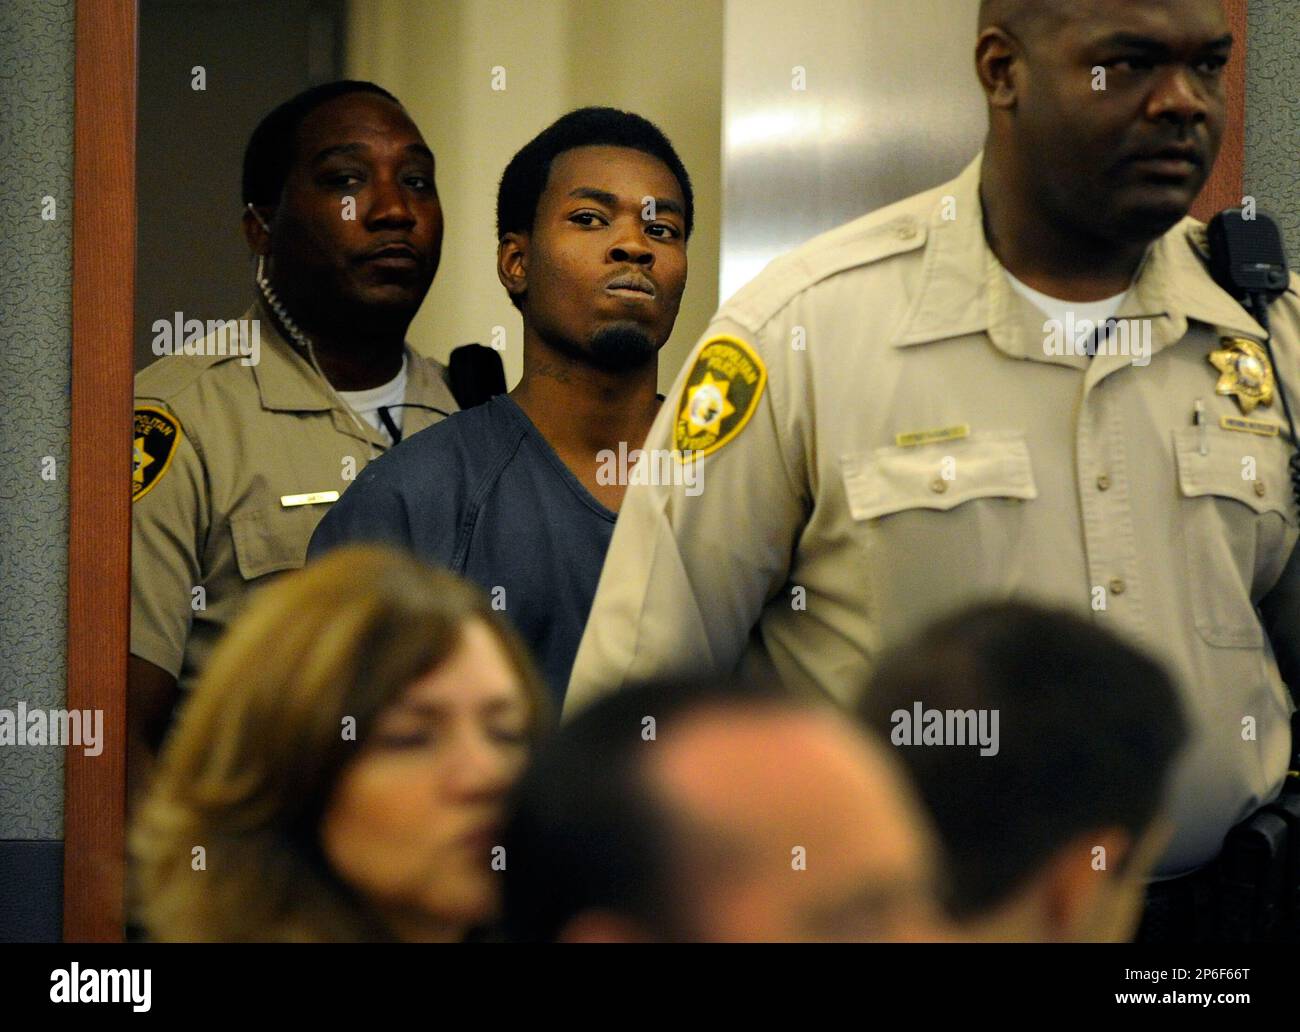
[235, 464]
[818, 535]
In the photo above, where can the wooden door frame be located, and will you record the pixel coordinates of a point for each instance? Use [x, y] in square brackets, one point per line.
[99, 504]
[1226, 184]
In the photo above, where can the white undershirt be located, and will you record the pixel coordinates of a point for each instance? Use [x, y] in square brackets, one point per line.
[367, 403]
[1097, 312]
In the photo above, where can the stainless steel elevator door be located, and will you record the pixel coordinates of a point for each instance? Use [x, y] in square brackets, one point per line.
[889, 106]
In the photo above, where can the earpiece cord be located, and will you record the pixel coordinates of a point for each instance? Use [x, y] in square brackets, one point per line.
[416, 404]
[304, 343]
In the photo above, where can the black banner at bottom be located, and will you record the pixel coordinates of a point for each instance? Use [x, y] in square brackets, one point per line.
[142, 982]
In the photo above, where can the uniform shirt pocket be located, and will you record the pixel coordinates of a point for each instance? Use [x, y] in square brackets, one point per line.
[937, 525]
[273, 539]
[1240, 527]
[938, 476]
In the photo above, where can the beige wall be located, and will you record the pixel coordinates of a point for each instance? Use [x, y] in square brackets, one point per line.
[662, 60]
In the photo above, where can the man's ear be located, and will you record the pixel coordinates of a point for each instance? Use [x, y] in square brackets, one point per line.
[1129, 899]
[1147, 851]
[997, 64]
[512, 263]
[603, 926]
[256, 230]
[1080, 881]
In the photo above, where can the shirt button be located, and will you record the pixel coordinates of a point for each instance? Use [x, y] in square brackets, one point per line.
[1116, 586]
[938, 485]
[906, 231]
[1260, 489]
[1103, 483]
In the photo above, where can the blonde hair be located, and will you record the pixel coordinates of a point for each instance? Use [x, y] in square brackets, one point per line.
[249, 768]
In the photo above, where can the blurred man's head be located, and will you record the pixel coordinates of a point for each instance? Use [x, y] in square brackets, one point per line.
[1052, 829]
[1109, 113]
[593, 215]
[715, 814]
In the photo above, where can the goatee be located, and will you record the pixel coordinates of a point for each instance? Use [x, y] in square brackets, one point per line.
[620, 348]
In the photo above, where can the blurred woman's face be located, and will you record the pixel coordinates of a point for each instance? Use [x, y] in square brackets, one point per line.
[414, 820]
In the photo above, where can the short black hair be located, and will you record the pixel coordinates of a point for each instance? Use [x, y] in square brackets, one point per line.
[269, 154]
[1026, 19]
[525, 177]
[585, 830]
[1088, 729]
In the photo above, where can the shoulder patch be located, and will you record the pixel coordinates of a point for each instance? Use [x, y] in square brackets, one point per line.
[720, 394]
[157, 433]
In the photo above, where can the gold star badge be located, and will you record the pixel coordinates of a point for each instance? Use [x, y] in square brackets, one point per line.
[140, 461]
[1244, 372]
[707, 405]
[157, 433]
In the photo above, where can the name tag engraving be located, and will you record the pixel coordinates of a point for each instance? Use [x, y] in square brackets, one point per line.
[1250, 426]
[947, 433]
[314, 498]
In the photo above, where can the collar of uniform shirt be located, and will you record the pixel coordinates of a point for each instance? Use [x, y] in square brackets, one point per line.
[286, 381]
[965, 289]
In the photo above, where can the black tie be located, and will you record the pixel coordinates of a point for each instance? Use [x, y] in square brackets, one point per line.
[386, 418]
